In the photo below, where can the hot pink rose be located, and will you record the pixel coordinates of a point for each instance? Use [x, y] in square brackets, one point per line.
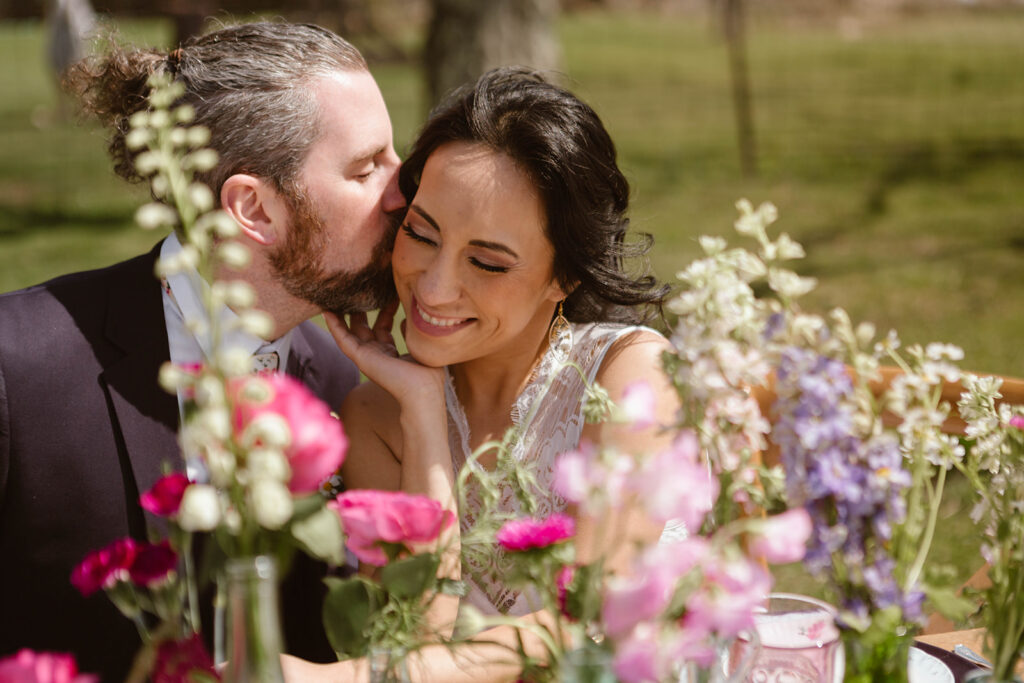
[782, 538]
[103, 568]
[177, 659]
[529, 534]
[371, 518]
[27, 666]
[164, 498]
[152, 563]
[318, 442]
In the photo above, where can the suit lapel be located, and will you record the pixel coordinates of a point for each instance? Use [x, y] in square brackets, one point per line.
[145, 415]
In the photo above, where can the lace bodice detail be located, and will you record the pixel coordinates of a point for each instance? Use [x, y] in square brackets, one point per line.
[549, 424]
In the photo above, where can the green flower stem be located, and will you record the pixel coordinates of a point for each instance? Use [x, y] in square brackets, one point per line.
[933, 515]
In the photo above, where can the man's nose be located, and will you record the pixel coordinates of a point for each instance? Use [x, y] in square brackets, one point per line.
[392, 199]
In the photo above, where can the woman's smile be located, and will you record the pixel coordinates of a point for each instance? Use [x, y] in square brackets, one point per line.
[435, 325]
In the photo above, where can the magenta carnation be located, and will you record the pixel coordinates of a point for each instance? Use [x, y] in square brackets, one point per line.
[318, 442]
[164, 498]
[152, 564]
[371, 518]
[528, 534]
[103, 568]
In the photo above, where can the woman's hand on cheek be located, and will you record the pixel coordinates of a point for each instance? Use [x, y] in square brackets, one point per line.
[373, 351]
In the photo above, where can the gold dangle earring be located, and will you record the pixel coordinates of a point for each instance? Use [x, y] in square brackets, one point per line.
[560, 336]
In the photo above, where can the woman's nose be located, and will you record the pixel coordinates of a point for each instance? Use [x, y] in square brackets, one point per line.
[439, 282]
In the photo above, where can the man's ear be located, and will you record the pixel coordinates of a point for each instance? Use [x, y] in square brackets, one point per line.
[256, 206]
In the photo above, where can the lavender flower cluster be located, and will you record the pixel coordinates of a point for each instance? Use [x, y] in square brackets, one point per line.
[850, 478]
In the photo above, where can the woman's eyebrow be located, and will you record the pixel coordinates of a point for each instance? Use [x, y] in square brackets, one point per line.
[494, 246]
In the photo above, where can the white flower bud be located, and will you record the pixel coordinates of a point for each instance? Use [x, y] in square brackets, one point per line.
[269, 429]
[147, 163]
[210, 391]
[201, 160]
[159, 119]
[177, 137]
[271, 503]
[153, 215]
[268, 463]
[137, 138]
[234, 255]
[712, 245]
[232, 521]
[139, 119]
[159, 184]
[220, 464]
[165, 267]
[185, 113]
[235, 362]
[256, 323]
[239, 295]
[200, 508]
[199, 136]
[173, 379]
[218, 223]
[216, 422]
[189, 256]
[201, 196]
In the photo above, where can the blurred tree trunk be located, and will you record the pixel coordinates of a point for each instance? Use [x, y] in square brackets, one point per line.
[743, 105]
[467, 37]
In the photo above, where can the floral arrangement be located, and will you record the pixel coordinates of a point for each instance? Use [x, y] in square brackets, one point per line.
[872, 492]
[995, 468]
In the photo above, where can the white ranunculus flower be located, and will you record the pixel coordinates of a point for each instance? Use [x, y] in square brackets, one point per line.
[271, 503]
[200, 508]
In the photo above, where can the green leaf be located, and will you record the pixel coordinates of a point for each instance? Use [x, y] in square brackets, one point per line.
[320, 535]
[453, 587]
[410, 578]
[349, 607]
[950, 605]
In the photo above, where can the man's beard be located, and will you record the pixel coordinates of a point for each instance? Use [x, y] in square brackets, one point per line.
[298, 265]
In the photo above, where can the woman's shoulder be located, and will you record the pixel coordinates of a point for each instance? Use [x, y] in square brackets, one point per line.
[634, 352]
[621, 335]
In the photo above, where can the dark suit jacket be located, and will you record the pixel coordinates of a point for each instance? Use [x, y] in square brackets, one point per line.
[84, 428]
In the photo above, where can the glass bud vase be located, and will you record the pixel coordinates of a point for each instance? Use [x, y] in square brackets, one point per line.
[388, 666]
[252, 622]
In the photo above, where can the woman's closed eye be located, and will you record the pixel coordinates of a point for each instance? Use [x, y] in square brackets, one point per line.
[489, 267]
[411, 232]
[478, 263]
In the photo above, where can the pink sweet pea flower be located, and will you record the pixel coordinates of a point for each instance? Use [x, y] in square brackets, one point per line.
[103, 568]
[629, 601]
[530, 534]
[371, 518]
[1017, 421]
[164, 498]
[591, 478]
[153, 563]
[318, 442]
[675, 485]
[638, 405]
[27, 666]
[638, 659]
[782, 538]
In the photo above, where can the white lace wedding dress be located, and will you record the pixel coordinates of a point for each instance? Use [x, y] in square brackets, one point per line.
[554, 429]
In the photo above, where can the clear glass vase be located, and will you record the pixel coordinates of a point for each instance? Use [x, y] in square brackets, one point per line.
[252, 629]
[866, 660]
[733, 662]
[388, 665]
[587, 664]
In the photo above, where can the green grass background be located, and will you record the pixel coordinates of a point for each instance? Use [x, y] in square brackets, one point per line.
[896, 157]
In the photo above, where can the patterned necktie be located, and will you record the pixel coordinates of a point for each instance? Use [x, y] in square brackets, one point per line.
[263, 363]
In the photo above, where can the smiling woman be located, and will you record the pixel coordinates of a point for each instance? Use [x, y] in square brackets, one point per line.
[510, 262]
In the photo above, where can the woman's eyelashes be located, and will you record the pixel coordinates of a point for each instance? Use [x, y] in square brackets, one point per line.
[423, 239]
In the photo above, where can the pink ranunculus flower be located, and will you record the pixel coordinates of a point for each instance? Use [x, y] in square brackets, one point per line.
[103, 568]
[782, 538]
[530, 534]
[164, 498]
[638, 405]
[318, 442]
[371, 518]
[27, 666]
[153, 563]
[176, 660]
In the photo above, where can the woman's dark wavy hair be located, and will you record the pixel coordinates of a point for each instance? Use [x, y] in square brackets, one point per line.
[562, 146]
